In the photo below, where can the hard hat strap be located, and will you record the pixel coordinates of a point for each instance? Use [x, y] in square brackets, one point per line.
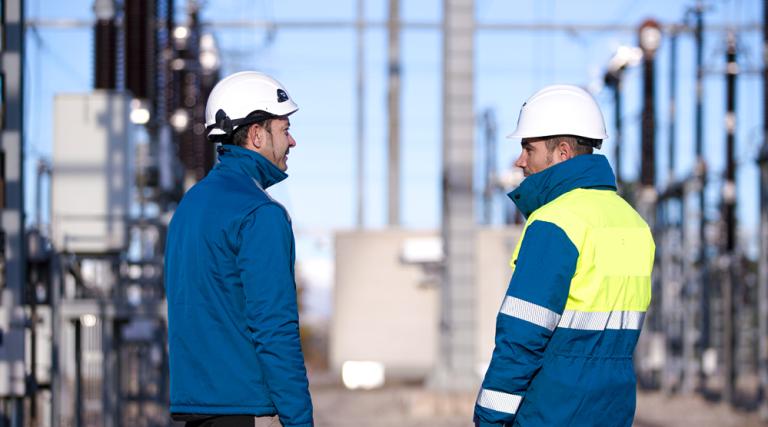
[228, 125]
[589, 142]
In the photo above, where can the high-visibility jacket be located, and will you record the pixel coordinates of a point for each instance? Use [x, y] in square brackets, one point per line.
[575, 305]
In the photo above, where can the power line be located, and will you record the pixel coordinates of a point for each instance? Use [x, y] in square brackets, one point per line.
[411, 25]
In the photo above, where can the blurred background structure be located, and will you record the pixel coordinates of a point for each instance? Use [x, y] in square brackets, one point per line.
[397, 191]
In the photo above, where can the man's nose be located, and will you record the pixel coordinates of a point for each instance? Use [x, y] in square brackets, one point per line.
[520, 162]
[291, 142]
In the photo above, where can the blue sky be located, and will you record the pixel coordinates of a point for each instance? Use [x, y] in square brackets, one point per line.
[317, 66]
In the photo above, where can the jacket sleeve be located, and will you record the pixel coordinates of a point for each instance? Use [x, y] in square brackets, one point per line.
[531, 310]
[265, 262]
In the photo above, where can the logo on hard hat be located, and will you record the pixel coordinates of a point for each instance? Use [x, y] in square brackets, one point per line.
[281, 96]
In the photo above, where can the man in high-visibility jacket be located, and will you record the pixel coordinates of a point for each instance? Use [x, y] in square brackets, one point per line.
[581, 284]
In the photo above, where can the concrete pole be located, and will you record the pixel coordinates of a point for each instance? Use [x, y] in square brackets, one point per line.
[360, 113]
[456, 353]
[393, 105]
[489, 127]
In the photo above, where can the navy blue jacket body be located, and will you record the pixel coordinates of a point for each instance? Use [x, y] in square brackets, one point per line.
[233, 325]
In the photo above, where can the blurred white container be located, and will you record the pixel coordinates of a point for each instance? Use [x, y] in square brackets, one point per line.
[91, 172]
[386, 302]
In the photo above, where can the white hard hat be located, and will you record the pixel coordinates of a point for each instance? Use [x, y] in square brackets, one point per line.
[244, 98]
[561, 110]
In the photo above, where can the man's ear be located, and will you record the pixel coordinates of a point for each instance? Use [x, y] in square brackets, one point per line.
[255, 138]
[564, 150]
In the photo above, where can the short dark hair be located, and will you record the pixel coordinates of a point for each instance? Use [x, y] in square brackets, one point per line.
[240, 136]
[578, 145]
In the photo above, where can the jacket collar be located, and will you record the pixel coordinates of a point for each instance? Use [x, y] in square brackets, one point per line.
[251, 163]
[584, 171]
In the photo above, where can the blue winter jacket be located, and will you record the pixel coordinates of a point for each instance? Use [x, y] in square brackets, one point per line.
[233, 325]
[575, 305]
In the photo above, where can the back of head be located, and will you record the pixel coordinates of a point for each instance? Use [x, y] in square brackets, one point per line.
[244, 98]
[562, 110]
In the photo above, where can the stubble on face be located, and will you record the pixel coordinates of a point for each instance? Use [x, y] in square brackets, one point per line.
[537, 157]
[280, 142]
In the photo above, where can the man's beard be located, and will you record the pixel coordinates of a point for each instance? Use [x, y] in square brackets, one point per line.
[550, 160]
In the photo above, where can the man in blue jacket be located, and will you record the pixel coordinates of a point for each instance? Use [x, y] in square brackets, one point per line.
[581, 283]
[233, 331]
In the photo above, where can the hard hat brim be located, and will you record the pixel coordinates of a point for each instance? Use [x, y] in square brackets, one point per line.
[516, 134]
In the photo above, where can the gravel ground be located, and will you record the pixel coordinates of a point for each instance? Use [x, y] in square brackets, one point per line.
[411, 406]
[660, 410]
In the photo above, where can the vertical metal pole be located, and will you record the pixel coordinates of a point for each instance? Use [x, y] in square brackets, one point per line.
[456, 354]
[12, 244]
[649, 40]
[762, 290]
[56, 382]
[618, 141]
[729, 187]
[729, 223]
[648, 128]
[393, 103]
[360, 114]
[701, 178]
[108, 375]
[78, 372]
[672, 127]
[32, 386]
[671, 307]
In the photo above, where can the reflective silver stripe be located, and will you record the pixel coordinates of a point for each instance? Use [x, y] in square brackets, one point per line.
[530, 312]
[598, 321]
[498, 401]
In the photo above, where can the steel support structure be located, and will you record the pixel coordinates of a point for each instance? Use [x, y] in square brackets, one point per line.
[12, 242]
[762, 284]
[456, 353]
[671, 256]
[697, 268]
